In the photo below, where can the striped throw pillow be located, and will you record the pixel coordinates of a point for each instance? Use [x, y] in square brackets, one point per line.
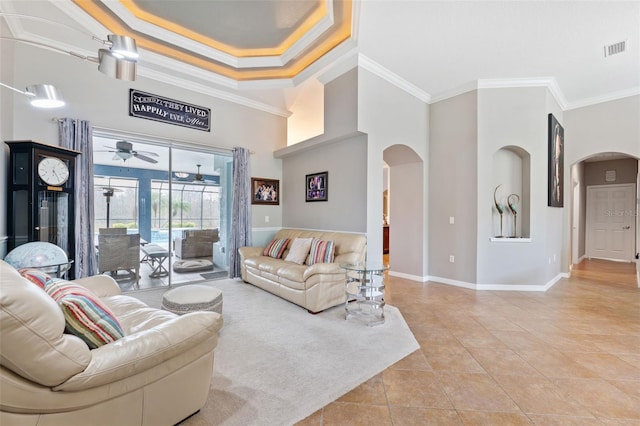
[321, 252]
[276, 248]
[85, 315]
[36, 276]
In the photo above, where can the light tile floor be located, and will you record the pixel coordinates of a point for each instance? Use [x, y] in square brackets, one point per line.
[569, 356]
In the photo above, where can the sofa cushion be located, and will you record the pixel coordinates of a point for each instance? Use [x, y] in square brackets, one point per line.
[276, 247]
[322, 251]
[293, 272]
[299, 250]
[85, 315]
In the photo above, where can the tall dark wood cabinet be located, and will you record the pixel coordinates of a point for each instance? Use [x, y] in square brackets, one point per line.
[40, 200]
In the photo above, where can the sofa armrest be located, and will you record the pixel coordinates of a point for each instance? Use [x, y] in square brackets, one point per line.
[143, 350]
[101, 285]
[323, 268]
[247, 252]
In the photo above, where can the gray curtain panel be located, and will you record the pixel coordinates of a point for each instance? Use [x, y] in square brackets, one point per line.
[78, 135]
[240, 209]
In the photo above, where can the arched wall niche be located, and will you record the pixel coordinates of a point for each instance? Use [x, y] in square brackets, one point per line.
[512, 185]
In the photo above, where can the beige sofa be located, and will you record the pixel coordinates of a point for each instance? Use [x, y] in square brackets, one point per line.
[195, 243]
[158, 374]
[316, 287]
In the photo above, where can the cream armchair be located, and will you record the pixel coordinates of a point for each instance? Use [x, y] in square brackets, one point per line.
[158, 374]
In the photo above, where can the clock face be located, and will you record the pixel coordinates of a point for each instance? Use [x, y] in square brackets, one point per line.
[53, 171]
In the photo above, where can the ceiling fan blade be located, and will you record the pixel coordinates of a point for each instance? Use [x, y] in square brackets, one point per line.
[145, 158]
[152, 154]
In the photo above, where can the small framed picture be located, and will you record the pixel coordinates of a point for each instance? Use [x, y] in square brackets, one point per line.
[317, 186]
[265, 191]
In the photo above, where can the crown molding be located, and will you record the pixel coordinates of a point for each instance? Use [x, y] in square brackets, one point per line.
[635, 91]
[310, 36]
[377, 69]
[208, 90]
[470, 86]
[338, 67]
[548, 82]
[327, 62]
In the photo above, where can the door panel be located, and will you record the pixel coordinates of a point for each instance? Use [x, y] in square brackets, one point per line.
[610, 221]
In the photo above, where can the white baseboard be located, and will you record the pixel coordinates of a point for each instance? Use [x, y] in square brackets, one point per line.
[408, 276]
[500, 287]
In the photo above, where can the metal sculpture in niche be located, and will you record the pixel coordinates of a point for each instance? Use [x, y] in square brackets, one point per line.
[512, 202]
[500, 207]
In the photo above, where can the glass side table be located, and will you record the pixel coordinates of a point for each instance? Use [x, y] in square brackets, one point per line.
[364, 290]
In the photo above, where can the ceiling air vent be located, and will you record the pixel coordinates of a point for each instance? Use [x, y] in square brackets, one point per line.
[612, 49]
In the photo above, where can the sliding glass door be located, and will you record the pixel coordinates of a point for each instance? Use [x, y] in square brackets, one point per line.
[174, 198]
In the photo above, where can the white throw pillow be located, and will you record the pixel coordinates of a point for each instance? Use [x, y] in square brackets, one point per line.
[299, 250]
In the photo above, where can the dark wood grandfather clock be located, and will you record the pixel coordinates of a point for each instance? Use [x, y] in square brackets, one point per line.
[40, 198]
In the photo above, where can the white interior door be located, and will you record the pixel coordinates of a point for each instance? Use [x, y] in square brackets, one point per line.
[611, 230]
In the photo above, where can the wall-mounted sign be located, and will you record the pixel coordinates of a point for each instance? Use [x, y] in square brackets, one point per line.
[153, 107]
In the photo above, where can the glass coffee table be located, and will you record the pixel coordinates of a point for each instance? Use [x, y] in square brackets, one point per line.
[364, 290]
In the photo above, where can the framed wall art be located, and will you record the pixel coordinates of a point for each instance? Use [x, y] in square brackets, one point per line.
[317, 186]
[265, 191]
[556, 163]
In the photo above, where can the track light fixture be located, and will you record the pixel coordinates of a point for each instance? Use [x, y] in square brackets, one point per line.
[118, 61]
[42, 95]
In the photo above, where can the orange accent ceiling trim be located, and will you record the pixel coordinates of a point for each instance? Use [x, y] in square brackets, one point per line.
[116, 26]
[313, 19]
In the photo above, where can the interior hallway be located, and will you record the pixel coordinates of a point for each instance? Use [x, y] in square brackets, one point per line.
[570, 356]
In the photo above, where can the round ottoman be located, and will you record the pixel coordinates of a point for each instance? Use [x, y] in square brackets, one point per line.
[191, 298]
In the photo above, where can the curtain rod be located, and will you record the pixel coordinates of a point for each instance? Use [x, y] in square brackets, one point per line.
[171, 142]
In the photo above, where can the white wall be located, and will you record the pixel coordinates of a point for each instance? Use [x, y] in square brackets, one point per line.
[517, 117]
[452, 191]
[346, 207]
[92, 96]
[390, 116]
[612, 126]
[307, 112]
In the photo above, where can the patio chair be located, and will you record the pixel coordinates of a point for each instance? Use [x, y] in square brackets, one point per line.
[119, 253]
[113, 231]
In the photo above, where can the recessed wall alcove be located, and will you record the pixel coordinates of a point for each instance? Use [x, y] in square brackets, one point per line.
[512, 173]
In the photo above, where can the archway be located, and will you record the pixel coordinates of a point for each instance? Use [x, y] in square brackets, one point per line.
[597, 173]
[406, 212]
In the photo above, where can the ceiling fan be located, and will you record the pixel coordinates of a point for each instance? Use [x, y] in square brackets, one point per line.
[197, 178]
[124, 150]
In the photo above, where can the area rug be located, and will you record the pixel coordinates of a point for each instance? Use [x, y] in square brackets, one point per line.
[276, 364]
[215, 275]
